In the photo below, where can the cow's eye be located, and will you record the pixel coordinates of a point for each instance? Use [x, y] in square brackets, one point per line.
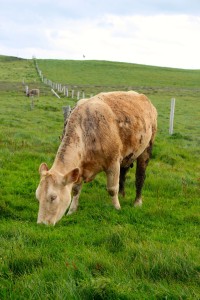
[53, 198]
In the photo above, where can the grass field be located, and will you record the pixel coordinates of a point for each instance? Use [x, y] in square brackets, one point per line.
[98, 252]
[116, 73]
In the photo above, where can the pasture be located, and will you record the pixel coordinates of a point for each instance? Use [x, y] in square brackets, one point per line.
[151, 252]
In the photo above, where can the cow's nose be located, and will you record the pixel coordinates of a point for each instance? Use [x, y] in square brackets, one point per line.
[46, 222]
[39, 221]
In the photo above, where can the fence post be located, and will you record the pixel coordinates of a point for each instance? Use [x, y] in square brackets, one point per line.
[171, 121]
[26, 90]
[66, 112]
[67, 92]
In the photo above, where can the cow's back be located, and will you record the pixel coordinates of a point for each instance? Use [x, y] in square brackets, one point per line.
[113, 124]
[136, 119]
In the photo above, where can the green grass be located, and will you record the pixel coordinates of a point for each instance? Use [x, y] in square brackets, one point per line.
[98, 252]
[14, 69]
[116, 73]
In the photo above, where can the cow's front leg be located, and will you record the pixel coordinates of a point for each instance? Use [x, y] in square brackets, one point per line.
[76, 190]
[113, 183]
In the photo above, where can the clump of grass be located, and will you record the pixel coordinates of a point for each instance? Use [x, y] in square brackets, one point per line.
[24, 265]
[115, 242]
[100, 288]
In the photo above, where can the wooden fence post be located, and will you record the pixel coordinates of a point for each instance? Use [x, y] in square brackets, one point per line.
[26, 90]
[66, 112]
[171, 121]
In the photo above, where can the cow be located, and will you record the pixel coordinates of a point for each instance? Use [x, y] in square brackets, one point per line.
[123, 171]
[33, 92]
[106, 133]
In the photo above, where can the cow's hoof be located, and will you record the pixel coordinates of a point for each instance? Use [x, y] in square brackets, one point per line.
[138, 203]
[122, 193]
[118, 207]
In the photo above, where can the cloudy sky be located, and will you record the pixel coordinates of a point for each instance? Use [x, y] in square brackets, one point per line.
[151, 32]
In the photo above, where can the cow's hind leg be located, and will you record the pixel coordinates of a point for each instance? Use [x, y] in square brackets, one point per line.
[142, 162]
[113, 183]
[76, 193]
[122, 179]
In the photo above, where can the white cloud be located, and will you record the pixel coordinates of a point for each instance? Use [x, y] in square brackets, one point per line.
[67, 30]
[159, 40]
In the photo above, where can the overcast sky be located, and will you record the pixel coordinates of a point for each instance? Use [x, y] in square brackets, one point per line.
[152, 32]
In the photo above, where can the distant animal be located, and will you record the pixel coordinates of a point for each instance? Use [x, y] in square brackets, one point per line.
[33, 92]
[108, 132]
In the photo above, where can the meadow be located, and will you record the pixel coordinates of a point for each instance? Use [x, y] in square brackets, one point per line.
[151, 252]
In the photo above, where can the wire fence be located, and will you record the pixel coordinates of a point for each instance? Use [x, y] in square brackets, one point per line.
[77, 92]
[183, 119]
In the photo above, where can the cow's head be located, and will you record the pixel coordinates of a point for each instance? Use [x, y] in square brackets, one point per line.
[54, 194]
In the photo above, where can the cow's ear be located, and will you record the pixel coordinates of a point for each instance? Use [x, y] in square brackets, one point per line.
[43, 168]
[72, 176]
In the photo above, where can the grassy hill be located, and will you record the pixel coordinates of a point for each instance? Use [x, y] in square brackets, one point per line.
[114, 73]
[99, 253]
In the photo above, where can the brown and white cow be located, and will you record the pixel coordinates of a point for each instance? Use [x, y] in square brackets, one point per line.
[33, 92]
[108, 132]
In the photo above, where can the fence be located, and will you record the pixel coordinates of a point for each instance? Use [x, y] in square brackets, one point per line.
[77, 92]
[67, 90]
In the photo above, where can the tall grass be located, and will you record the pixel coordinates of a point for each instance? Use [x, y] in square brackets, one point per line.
[98, 252]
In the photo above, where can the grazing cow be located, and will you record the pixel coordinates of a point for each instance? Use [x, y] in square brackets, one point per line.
[123, 170]
[33, 92]
[105, 133]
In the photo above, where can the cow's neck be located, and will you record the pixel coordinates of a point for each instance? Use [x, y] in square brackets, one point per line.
[68, 157]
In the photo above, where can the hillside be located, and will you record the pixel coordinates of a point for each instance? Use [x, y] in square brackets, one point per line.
[118, 74]
[103, 73]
